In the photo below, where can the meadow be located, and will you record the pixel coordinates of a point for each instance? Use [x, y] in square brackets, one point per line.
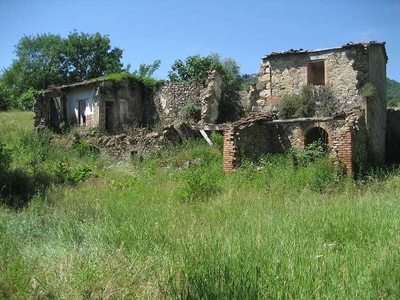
[170, 225]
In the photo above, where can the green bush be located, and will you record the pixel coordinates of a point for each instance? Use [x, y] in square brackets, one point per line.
[190, 112]
[368, 90]
[80, 173]
[312, 101]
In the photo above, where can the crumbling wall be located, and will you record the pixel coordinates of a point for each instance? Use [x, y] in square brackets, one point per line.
[205, 94]
[346, 70]
[85, 93]
[347, 139]
[42, 108]
[376, 112]
[172, 96]
[113, 96]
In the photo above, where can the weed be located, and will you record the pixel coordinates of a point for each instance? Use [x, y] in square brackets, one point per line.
[80, 173]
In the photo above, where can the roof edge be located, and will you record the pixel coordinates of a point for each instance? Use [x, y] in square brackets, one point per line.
[348, 45]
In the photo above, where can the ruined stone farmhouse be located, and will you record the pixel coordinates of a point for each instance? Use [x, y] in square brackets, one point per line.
[110, 105]
[354, 134]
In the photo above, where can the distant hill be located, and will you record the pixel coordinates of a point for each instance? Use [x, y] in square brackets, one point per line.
[393, 92]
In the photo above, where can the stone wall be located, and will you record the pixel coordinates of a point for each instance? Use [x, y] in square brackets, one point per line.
[347, 139]
[376, 112]
[106, 100]
[205, 94]
[346, 70]
[172, 96]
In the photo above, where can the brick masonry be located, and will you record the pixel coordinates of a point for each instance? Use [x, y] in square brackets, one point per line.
[346, 140]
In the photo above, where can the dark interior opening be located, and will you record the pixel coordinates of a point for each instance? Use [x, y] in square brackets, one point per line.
[316, 73]
[317, 134]
[109, 115]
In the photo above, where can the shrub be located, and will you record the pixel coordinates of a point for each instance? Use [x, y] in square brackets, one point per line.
[368, 90]
[80, 173]
[312, 101]
[190, 112]
[5, 157]
[5, 161]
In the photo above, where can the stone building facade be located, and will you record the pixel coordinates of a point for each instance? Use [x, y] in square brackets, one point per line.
[355, 135]
[110, 105]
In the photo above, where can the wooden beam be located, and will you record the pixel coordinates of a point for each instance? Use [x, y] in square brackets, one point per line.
[205, 136]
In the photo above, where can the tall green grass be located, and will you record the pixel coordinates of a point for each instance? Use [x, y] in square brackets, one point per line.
[170, 226]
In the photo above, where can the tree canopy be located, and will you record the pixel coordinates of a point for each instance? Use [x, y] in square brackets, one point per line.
[147, 70]
[194, 67]
[197, 67]
[49, 59]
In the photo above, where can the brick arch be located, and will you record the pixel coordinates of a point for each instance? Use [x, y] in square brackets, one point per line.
[309, 130]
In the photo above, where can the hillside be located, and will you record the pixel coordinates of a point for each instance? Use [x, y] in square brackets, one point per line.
[393, 92]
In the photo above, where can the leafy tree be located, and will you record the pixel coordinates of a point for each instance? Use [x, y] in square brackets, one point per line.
[86, 56]
[233, 79]
[197, 67]
[247, 80]
[147, 70]
[193, 68]
[48, 59]
[39, 62]
[6, 99]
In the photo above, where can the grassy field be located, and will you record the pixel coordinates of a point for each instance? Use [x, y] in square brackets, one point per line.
[170, 226]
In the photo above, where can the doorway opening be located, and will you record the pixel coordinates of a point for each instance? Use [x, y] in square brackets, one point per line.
[109, 115]
[81, 112]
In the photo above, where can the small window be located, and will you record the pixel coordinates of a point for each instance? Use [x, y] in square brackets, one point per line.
[316, 73]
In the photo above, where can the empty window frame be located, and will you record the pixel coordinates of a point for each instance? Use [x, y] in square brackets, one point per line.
[316, 73]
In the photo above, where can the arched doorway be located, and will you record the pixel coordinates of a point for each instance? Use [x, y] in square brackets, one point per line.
[317, 134]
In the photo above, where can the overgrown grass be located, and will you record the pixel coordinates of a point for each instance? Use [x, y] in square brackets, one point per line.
[170, 226]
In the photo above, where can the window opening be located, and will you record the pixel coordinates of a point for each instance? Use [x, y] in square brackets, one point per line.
[316, 73]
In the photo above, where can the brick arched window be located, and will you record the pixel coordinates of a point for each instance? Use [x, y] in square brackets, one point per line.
[316, 134]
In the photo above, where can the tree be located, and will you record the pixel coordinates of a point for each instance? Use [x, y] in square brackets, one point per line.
[197, 67]
[87, 56]
[233, 79]
[194, 68]
[48, 59]
[147, 70]
[38, 64]
[6, 100]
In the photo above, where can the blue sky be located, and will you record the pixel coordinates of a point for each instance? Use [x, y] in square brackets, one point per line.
[174, 29]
